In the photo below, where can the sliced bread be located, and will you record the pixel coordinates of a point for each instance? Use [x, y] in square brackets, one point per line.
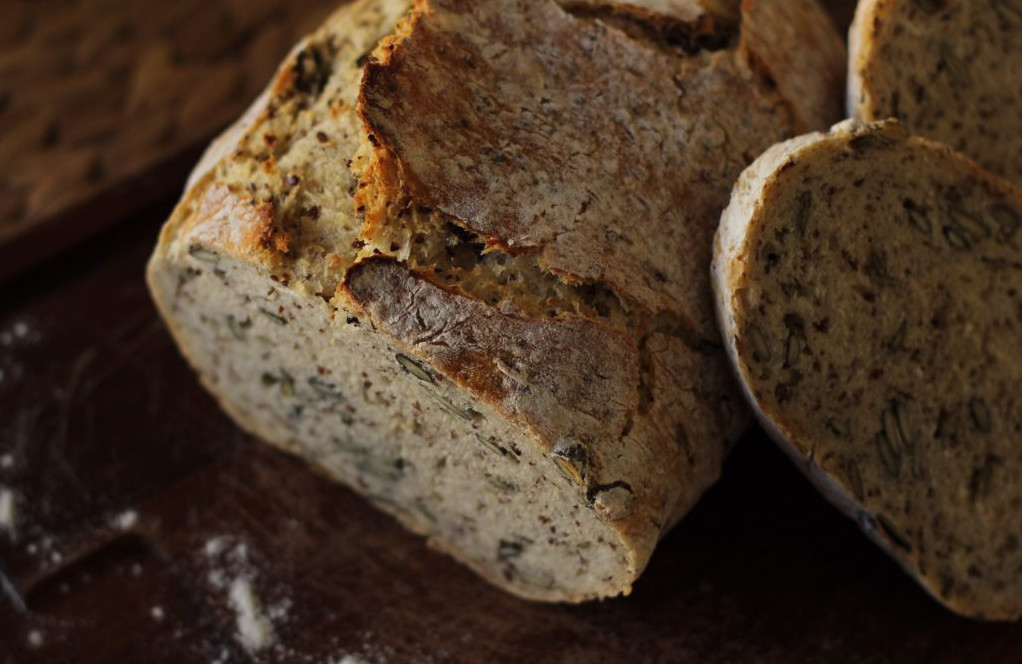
[869, 290]
[950, 70]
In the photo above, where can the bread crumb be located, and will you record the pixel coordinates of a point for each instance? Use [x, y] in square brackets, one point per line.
[35, 638]
[255, 631]
[8, 513]
[126, 519]
[157, 613]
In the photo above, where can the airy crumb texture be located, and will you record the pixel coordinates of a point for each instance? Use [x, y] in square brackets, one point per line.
[869, 288]
[951, 70]
[457, 256]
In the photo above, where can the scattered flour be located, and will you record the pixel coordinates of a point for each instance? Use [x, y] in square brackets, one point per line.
[351, 659]
[233, 573]
[8, 513]
[255, 631]
[215, 546]
[126, 520]
[157, 613]
[35, 638]
[7, 460]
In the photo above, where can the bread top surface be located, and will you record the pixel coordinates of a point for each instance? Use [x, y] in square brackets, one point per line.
[871, 288]
[548, 153]
[951, 70]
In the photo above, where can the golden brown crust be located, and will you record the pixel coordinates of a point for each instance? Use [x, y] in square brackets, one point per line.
[776, 36]
[557, 154]
[572, 383]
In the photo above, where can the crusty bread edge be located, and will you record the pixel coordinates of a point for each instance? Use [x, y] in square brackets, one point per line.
[727, 271]
[860, 48]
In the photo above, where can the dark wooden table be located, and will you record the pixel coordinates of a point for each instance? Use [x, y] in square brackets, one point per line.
[136, 507]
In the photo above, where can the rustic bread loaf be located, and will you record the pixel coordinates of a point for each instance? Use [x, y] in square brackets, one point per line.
[950, 70]
[869, 289]
[458, 255]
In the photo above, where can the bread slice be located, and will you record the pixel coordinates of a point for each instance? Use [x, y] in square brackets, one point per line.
[950, 70]
[458, 255]
[869, 290]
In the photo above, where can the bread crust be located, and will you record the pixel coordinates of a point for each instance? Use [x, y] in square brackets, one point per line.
[732, 249]
[950, 71]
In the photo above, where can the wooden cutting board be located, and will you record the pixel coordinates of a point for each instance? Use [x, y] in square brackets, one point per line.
[138, 507]
[104, 104]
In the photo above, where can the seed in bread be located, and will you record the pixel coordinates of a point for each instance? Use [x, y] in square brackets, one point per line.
[950, 70]
[869, 289]
[458, 257]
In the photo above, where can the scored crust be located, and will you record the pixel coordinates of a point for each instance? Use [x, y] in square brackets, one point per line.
[336, 257]
[950, 70]
[880, 352]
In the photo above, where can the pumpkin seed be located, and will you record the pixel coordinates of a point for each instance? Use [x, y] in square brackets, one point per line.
[414, 368]
[495, 448]
[917, 217]
[449, 408]
[897, 340]
[572, 461]
[508, 550]
[287, 384]
[957, 71]
[760, 349]
[904, 420]
[792, 349]
[837, 427]
[854, 475]
[279, 320]
[805, 202]
[956, 238]
[890, 456]
[238, 327]
[980, 414]
[889, 419]
[876, 269]
[201, 253]
[324, 388]
[389, 470]
[975, 228]
[502, 485]
[1007, 220]
[893, 534]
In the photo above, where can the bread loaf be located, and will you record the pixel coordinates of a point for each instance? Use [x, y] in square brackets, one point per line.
[869, 289]
[950, 70]
[457, 256]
